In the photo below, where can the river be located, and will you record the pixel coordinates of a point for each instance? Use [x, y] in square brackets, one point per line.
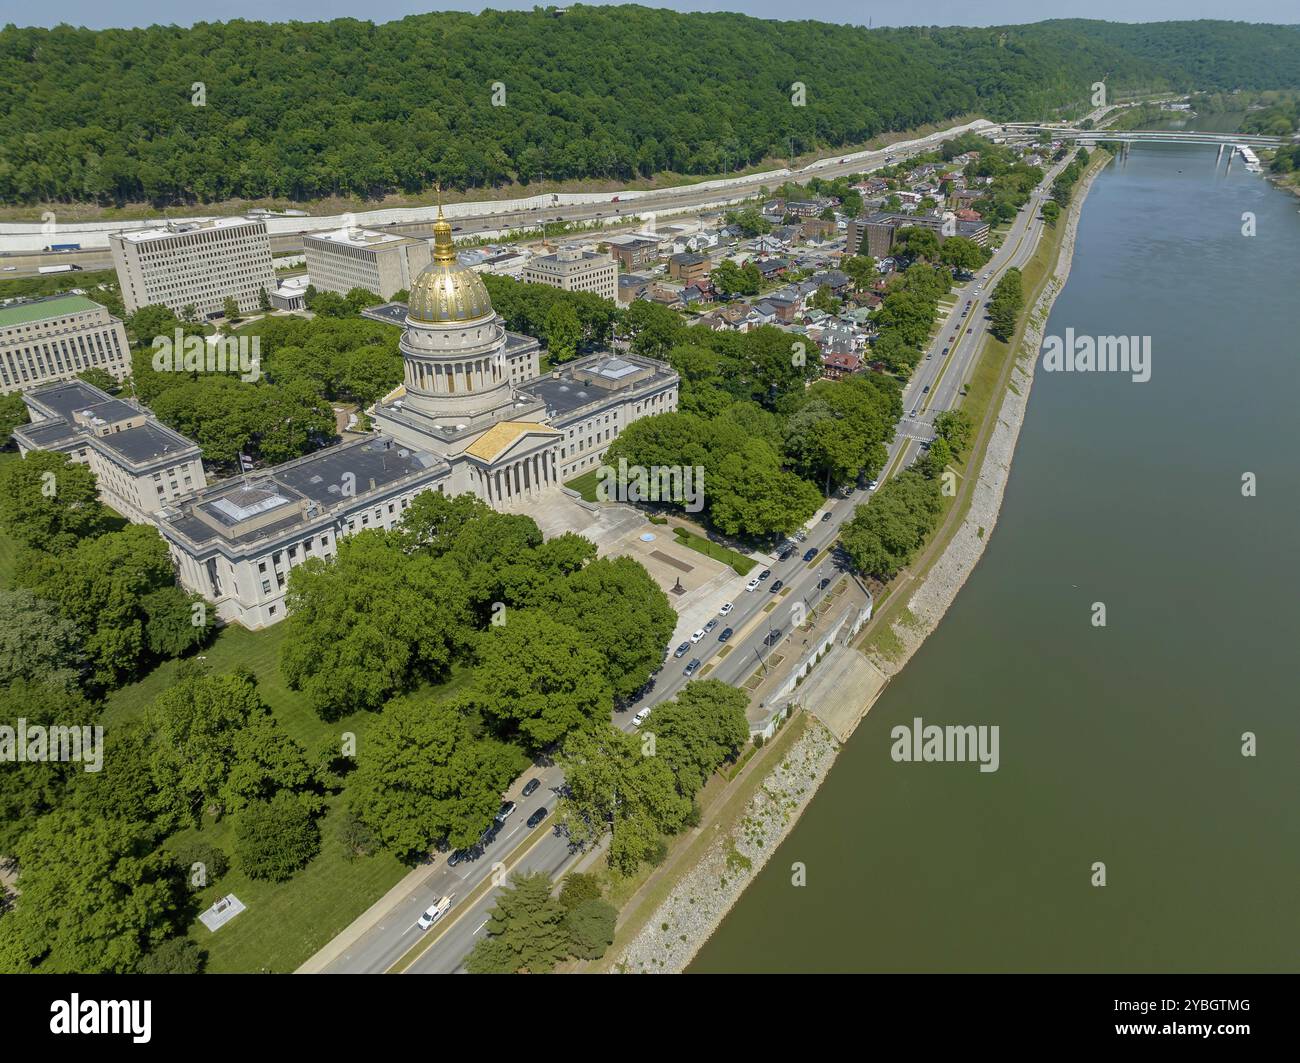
[1120, 745]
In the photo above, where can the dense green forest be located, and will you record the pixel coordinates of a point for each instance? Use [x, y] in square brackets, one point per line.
[306, 110]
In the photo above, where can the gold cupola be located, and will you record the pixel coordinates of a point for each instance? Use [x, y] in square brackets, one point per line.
[445, 291]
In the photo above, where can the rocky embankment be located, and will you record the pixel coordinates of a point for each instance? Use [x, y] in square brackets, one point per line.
[706, 892]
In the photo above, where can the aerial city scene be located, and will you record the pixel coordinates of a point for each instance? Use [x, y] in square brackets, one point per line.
[712, 488]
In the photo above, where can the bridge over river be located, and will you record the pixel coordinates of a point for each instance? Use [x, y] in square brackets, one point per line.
[1138, 136]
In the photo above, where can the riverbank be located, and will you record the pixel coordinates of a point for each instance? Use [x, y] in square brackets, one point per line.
[701, 898]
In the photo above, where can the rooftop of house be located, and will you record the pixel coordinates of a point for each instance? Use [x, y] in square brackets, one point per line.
[51, 306]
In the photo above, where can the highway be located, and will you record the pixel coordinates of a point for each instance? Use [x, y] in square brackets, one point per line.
[944, 376]
[629, 214]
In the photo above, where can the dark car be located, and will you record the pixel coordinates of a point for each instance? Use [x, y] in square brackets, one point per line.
[681, 650]
[772, 637]
[538, 816]
[765, 573]
[785, 554]
[925, 390]
[826, 516]
[725, 634]
[691, 668]
[809, 554]
[530, 787]
[776, 586]
[462, 855]
[823, 583]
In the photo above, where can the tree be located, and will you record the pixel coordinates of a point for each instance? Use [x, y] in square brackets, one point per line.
[539, 679]
[1005, 306]
[370, 623]
[698, 730]
[434, 521]
[49, 502]
[955, 427]
[230, 308]
[38, 644]
[823, 300]
[263, 301]
[13, 414]
[176, 955]
[424, 776]
[883, 536]
[590, 928]
[1051, 212]
[962, 254]
[93, 897]
[621, 612]
[578, 888]
[613, 786]
[861, 269]
[31, 788]
[563, 332]
[216, 748]
[750, 494]
[525, 930]
[275, 838]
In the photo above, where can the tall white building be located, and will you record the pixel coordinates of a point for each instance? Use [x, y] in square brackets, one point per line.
[196, 264]
[57, 338]
[383, 263]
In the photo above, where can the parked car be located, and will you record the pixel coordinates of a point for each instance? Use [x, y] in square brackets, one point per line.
[823, 583]
[472, 852]
[772, 637]
[764, 574]
[710, 625]
[826, 516]
[505, 812]
[873, 485]
[752, 585]
[681, 650]
[785, 554]
[530, 787]
[809, 554]
[725, 635]
[726, 608]
[696, 636]
[640, 717]
[434, 912]
[776, 586]
[691, 668]
[538, 816]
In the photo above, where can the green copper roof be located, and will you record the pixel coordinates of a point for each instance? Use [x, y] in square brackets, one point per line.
[43, 309]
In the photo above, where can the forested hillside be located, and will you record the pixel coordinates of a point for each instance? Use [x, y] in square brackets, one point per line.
[305, 110]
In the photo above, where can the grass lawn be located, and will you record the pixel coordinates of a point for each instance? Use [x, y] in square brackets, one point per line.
[727, 556]
[585, 484]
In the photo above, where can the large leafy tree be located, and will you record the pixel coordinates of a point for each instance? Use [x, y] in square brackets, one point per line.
[884, 535]
[613, 786]
[539, 679]
[37, 642]
[423, 776]
[93, 895]
[49, 502]
[698, 730]
[275, 838]
[370, 623]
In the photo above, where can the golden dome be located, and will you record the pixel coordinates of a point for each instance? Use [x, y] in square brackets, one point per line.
[445, 290]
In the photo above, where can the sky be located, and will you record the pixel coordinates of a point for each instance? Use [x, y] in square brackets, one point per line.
[97, 14]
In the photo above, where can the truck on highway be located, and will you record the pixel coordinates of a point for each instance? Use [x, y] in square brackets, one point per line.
[57, 269]
[63, 247]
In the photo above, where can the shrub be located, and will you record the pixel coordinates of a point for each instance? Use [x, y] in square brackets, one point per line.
[275, 838]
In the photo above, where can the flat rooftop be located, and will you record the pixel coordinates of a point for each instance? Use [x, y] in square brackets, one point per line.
[563, 394]
[147, 442]
[321, 478]
[364, 238]
[65, 399]
[164, 232]
[44, 309]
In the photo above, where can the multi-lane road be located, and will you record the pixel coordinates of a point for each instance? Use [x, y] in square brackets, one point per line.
[935, 386]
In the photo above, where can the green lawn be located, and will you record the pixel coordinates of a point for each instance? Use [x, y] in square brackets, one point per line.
[727, 556]
[585, 484]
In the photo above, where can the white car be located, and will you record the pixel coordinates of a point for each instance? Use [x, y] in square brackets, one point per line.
[752, 585]
[696, 636]
[640, 717]
[433, 913]
[726, 608]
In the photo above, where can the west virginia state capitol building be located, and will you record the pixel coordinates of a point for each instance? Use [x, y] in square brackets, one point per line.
[472, 415]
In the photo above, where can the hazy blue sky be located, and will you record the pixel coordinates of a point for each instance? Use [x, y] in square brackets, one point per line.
[98, 14]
